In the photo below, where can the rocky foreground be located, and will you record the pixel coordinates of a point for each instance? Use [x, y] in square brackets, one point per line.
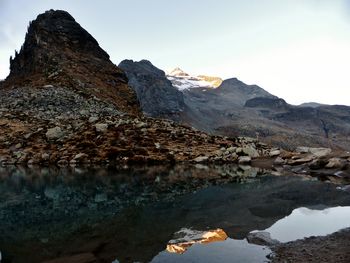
[71, 130]
[331, 248]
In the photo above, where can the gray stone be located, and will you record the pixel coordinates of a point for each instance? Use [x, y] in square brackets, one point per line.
[93, 119]
[261, 239]
[251, 151]
[275, 153]
[157, 145]
[45, 156]
[231, 149]
[101, 127]
[319, 152]
[201, 159]
[80, 156]
[54, 133]
[141, 125]
[302, 160]
[279, 161]
[337, 163]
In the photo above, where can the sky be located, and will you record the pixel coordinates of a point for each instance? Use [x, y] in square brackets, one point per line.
[298, 50]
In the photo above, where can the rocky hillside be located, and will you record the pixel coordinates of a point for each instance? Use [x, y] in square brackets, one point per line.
[65, 102]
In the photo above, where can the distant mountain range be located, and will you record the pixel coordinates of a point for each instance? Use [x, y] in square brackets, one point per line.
[233, 108]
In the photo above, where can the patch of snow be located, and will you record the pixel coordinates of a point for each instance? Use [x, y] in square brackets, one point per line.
[182, 80]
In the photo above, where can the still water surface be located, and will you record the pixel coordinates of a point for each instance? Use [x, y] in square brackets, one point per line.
[159, 214]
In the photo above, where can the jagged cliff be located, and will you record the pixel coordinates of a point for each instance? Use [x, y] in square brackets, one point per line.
[58, 51]
[157, 96]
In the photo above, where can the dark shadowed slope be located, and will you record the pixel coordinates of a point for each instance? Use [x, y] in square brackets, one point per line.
[158, 98]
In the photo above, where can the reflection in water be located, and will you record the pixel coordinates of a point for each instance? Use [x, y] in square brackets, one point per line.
[107, 213]
[187, 237]
[228, 251]
[305, 222]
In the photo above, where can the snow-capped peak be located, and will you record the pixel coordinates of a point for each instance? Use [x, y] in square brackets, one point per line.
[178, 72]
[182, 80]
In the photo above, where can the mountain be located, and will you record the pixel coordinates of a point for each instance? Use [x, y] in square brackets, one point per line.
[57, 50]
[237, 109]
[182, 80]
[65, 103]
[157, 96]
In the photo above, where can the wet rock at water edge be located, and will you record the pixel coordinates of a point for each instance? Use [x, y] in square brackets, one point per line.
[337, 163]
[250, 151]
[201, 159]
[244, 160]
[319, 152]
[279, 161]
[261, 239]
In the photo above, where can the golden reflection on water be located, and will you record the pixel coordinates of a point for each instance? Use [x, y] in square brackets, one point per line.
[190, 237]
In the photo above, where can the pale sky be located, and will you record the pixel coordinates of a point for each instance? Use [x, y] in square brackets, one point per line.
[296, 49]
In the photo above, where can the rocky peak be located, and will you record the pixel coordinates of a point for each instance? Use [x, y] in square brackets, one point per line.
[183, 81]
[156, 94]
[50, 40]
[141, 67]
[178, 72]
[59, 52]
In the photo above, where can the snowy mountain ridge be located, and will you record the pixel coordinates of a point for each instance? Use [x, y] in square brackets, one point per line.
[182, 80]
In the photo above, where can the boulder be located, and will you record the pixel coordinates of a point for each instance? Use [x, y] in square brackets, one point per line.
[231, 149]
[319, 152]
[336, 163]
[251, 151]
[201, 159]
[279, 161]
[93, 119]
[302, 160]
[101, 127]
[54, 133]
[261, 239]
[317, 164]
[80, 156]
[274, 153]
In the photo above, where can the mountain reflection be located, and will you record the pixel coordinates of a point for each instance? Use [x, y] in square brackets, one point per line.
[107, 214]
[187, 237]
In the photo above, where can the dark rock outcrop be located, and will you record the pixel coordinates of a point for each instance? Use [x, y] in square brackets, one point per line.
[271, 103]
[157, 96]
[241, 91]
[58, 51]
[47, 36]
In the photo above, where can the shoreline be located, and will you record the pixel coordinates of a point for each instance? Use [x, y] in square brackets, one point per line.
[331, 248]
